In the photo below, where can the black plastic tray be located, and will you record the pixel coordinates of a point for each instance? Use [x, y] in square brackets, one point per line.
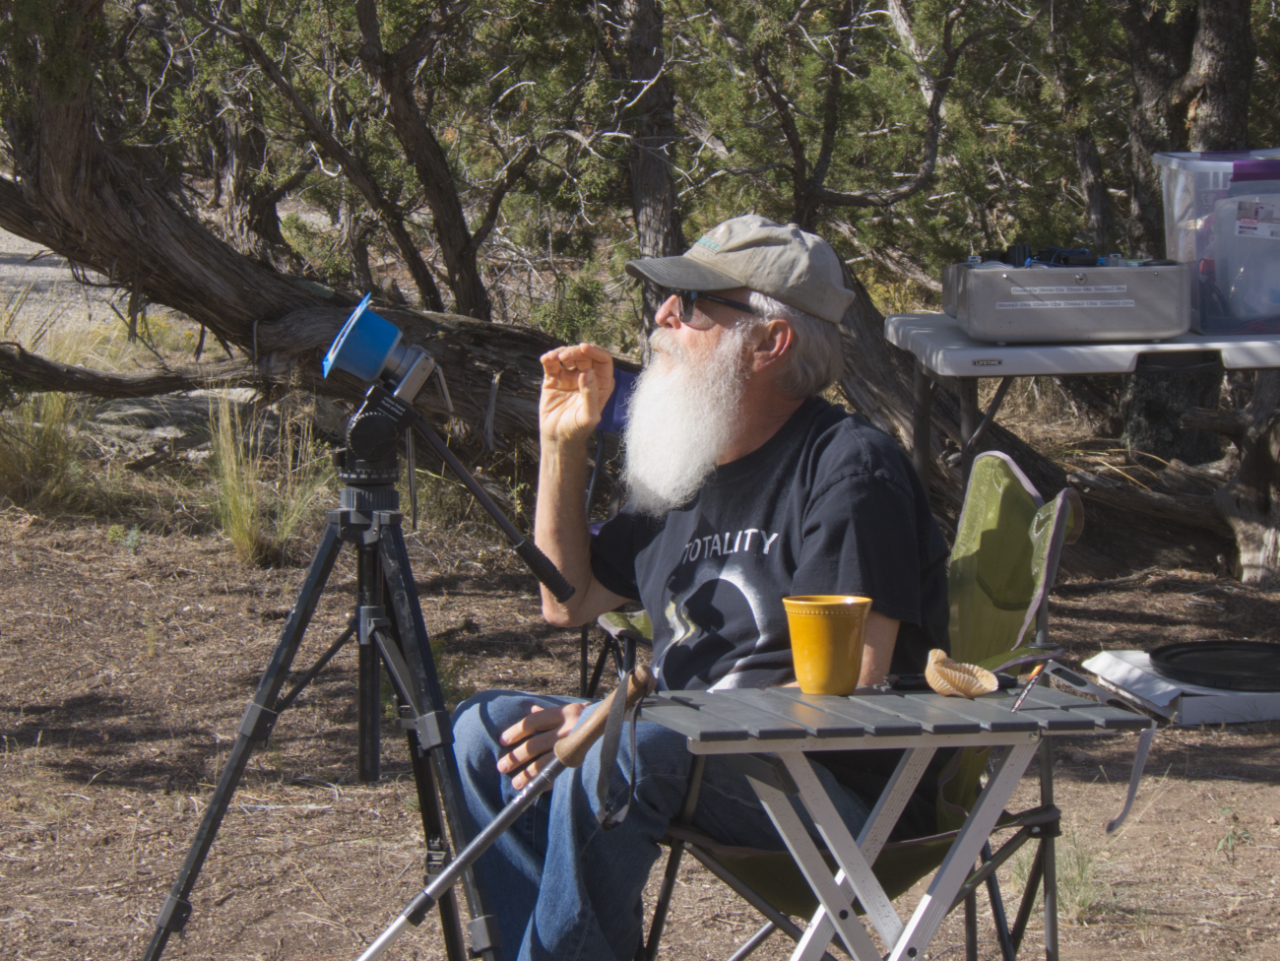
[1232, 665]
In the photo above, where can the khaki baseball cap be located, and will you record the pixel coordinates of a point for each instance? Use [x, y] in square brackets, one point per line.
[793, 266]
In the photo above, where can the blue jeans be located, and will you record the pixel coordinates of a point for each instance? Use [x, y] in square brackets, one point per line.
[562, 887]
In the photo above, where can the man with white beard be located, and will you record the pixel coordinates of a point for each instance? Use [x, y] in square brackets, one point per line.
[743, 487]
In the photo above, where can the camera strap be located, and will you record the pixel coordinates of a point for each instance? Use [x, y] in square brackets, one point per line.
[609, 743]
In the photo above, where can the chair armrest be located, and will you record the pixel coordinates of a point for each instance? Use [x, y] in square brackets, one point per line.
[635, 626]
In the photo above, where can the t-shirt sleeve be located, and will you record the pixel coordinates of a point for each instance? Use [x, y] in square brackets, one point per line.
[860, 537]
[613, 555]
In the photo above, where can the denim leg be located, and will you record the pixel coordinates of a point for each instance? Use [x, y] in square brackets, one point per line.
[563, 887]
[511, 870]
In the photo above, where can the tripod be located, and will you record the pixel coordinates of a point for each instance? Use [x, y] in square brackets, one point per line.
[388, 624]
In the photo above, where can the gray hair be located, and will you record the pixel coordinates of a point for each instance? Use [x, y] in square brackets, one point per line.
[816, 354]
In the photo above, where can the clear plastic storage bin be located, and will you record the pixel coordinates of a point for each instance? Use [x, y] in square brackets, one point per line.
[1222, 216]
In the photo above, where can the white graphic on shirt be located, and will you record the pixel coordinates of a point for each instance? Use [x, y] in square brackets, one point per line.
[684, 629]
[731, 542]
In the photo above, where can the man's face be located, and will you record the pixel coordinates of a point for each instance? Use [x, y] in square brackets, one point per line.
[685, 411]
[699, 331]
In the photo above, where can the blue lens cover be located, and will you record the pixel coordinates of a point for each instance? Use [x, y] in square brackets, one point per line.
[363, 345]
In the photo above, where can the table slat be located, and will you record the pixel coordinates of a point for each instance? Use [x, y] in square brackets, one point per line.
[759, 724]
[933, 719]
[1113, 718]
[694, 725]
[817, 723]
[1070, 712]
[992, 713]
[874, 722]
[1042, 696]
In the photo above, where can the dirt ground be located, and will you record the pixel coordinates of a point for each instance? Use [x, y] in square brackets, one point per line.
[126, 663]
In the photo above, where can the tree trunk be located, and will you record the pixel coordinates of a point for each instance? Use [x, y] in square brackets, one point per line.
[1093, 184]
[1068, 79]
[653, 194]
[1191, 72]
[1250, 502]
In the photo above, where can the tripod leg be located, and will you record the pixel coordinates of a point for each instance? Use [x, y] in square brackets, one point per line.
[369, 684]
[256, 725]
[433, 728]
[385, 638]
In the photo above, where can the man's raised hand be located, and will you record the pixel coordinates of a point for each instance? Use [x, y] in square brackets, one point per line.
[576, 384]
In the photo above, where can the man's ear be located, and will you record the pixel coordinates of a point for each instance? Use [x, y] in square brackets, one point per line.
[773, 339]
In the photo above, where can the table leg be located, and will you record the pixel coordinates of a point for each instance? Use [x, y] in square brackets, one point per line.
[871, 839]
[854, 863]
[922, 422]
[836, 896]
[967, 387]
[893, 800]
[1049, 855]
[955, 867]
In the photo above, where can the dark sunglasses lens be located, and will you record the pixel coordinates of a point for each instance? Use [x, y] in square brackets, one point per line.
[687, 299]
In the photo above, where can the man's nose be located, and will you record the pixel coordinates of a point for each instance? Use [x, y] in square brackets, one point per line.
[668, 314]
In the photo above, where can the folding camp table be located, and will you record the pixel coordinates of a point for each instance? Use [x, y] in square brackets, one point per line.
[943, 350]
[770, 731]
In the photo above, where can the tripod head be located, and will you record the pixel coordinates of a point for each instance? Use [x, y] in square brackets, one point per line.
[372, 349]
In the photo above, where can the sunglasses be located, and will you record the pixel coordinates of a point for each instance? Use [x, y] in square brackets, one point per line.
[690, 297]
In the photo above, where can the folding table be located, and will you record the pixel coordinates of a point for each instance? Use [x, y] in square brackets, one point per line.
[770, 730]
[943, 350]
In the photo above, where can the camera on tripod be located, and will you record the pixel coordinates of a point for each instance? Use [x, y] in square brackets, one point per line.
[372, 349]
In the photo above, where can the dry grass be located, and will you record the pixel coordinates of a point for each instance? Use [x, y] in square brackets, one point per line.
[266, 487]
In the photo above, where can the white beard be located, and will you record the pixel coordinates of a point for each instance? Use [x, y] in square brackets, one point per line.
[682, 418]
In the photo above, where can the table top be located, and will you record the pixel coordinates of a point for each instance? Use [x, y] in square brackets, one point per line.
[944, 348]
[781, 719]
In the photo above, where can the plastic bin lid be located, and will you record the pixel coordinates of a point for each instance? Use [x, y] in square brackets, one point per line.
[1246, 170]
[1213, 159]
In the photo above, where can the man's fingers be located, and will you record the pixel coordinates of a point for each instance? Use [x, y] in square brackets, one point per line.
[521, 780]
[538, 719]
[527, 751]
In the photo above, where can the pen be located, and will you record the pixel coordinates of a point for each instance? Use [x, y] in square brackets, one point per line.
[1031, 682]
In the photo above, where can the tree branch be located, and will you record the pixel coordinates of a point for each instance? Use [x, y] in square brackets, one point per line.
[391, 216]
[39, 373]
[1189, 510]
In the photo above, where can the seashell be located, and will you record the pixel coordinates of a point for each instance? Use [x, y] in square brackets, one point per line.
[953, 679]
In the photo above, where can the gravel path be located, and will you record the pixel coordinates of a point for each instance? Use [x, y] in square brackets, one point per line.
[52, 295]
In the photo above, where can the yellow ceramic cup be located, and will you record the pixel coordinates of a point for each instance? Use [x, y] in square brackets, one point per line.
[826, 640]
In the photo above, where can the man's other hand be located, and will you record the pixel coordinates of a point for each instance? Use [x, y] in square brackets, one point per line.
[534, 737]
[576, 384]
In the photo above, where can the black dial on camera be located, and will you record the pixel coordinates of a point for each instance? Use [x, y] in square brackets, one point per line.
[372, 437]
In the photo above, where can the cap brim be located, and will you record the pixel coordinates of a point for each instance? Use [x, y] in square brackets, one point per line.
[681, 273]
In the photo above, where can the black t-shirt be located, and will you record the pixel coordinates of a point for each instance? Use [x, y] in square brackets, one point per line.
[829, 505]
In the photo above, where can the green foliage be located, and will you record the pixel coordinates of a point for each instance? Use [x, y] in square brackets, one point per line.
[573, 315]
[1236, 835]
[753, 91]
[320, 249]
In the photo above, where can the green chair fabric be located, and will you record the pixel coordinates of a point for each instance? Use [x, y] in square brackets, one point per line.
[1004, 559]
[1003, 564]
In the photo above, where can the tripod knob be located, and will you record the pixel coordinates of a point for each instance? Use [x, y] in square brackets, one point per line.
[373, 437]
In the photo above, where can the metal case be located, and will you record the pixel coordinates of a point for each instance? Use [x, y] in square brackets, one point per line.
[1027, 305]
